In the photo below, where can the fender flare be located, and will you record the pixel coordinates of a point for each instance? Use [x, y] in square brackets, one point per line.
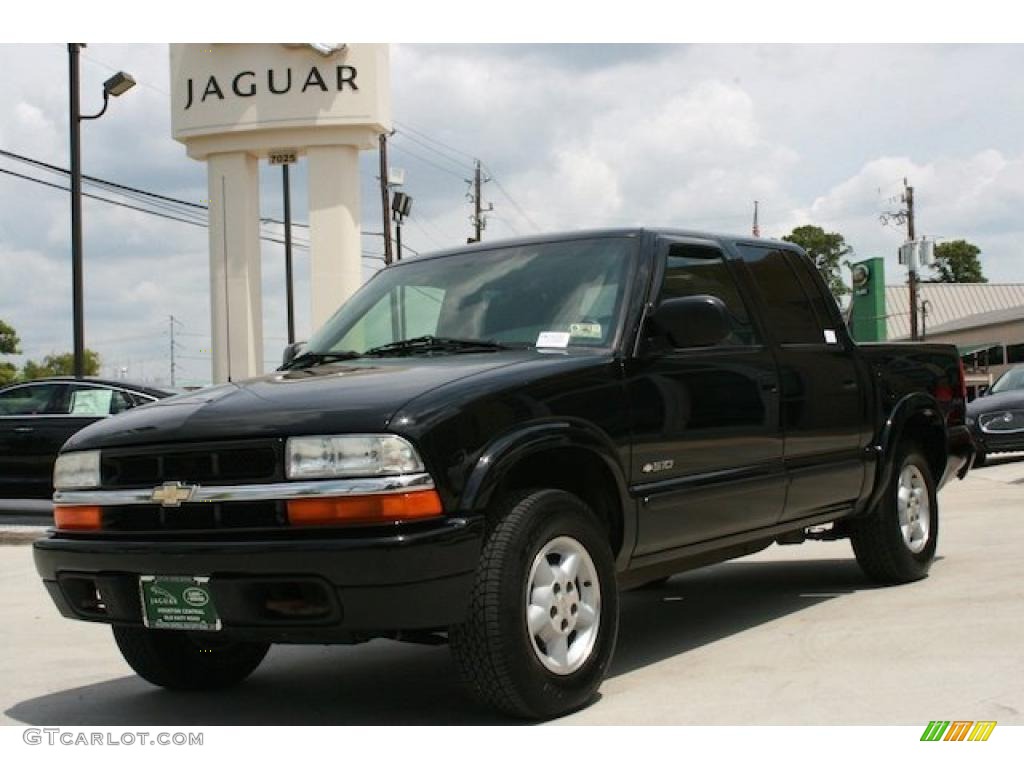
[908, 407]
[503, 453]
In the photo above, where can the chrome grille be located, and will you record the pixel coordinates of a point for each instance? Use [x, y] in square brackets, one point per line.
[1002, 421]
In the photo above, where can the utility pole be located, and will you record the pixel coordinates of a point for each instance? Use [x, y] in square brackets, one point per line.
[477, 205]
[171, 321]
[479, 222]
[756, 229]
[385, 199]
[906, 216]
[908, 198]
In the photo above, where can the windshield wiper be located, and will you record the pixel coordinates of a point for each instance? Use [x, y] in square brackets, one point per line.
[435, 344]
[309, 359]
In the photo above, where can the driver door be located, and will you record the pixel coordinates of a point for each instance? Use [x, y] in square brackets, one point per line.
[707, 454]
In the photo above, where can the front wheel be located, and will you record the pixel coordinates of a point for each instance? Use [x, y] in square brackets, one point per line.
[187, 660]
[543, 617]
[895, 543]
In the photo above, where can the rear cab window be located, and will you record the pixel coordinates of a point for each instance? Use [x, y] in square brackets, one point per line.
[795, 309]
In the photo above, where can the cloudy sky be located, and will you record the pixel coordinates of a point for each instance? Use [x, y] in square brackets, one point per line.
[575, 136]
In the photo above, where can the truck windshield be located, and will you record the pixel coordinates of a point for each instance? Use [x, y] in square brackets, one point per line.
[567, 293]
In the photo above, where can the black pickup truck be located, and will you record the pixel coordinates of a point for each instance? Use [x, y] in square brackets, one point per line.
[484, 446]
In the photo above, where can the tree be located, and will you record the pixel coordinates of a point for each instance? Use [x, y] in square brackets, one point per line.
[957, 262]
[8, 346]
[8, 340]
[61, 365]
[826, 249]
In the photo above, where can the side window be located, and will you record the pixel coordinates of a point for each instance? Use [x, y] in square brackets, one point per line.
[29, 401]
[89, 401]
[692, 270]
[789, 311]
[822, 300]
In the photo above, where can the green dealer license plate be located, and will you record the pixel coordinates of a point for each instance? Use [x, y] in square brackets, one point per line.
[178, 602]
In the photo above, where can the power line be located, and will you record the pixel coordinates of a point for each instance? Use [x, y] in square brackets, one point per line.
[512, 200]
[449, 158]
[103, 182]
[422, 159]
[120, 203]
[440, 143]
[102, 199]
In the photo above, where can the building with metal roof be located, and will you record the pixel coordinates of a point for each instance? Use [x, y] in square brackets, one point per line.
[985, 320]
[947, 303]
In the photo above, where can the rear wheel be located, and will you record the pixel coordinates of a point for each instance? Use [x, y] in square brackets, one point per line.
[187, 660]
[543, 617]
[896, 542]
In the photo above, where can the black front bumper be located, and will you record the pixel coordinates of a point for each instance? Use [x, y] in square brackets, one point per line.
[339, 588]
[994, 442]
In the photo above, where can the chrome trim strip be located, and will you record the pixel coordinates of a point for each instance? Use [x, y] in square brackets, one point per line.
[297, 489]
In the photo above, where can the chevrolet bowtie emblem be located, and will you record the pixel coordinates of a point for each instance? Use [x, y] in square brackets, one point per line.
[172, 494]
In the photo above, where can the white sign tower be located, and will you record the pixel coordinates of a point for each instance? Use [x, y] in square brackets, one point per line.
[234, 104]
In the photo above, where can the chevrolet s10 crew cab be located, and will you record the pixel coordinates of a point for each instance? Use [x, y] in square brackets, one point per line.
[484, 446]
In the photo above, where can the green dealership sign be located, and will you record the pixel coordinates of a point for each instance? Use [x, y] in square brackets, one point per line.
[867, 315]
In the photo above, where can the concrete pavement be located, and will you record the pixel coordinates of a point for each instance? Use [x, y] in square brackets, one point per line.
[792, 635]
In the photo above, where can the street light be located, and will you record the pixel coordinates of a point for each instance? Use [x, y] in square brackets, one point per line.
[114, 86]
[401, 206]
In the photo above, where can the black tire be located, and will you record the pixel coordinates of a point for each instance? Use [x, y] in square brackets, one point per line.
[494, 648]
[186, 661]
[979, 459]
[878, 542]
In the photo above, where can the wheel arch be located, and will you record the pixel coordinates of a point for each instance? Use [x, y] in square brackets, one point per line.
[572, 456]
[916, 417]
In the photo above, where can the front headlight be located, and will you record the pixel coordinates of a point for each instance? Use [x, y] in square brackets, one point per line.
[349, 456]
[80, 469]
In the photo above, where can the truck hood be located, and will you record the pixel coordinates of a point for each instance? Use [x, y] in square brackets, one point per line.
[352, 396]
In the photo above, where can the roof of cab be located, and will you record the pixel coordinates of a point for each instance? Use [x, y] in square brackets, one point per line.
[584, 234]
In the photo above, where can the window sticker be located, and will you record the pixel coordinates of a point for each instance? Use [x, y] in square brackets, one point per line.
[91, 402]
[830, 336]
[552, 340]
[585, 330]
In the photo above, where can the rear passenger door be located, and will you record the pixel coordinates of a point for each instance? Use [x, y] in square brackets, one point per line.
[824, 385]
[707, 450]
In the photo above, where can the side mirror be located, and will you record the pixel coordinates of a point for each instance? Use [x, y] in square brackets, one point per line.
[292, 351]
[692, 321]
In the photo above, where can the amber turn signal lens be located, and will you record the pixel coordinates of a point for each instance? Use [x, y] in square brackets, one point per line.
[385, 508]
[78, 518]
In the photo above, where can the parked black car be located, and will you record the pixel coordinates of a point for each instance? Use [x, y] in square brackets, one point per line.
[996, 418]
[484, 446]
[37, 417]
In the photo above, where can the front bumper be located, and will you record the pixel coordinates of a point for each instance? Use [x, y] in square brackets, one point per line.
[995, 442]
[410, 577]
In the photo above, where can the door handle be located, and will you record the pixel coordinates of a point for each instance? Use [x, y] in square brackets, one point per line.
[850, 386]
[24, 430]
